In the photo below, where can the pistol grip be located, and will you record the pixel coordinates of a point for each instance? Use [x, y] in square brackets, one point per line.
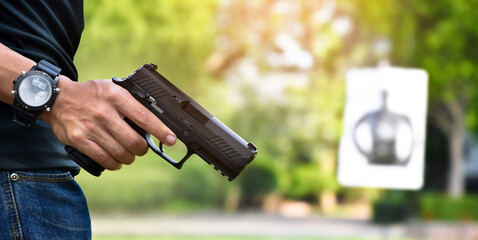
[89, 164]
[84, 161]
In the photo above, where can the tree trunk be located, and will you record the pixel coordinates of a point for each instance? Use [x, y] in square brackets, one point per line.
[456, 176]
[451, 120]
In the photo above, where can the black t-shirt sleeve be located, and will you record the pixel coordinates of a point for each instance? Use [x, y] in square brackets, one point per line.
[43, 29]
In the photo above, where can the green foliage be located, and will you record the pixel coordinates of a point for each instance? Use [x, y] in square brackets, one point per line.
[440, 39]
[121, 35]
[394, 206]
[388, 213]
[257, 182]
[437, 206]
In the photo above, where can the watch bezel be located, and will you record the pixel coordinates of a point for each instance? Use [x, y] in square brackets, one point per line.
[23, 76]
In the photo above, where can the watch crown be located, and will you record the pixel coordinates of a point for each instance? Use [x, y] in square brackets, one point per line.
[14, 92]
[23, 72]
[57, 90]
[48, 109]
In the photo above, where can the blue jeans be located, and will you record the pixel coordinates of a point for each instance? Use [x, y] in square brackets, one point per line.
[42, 205]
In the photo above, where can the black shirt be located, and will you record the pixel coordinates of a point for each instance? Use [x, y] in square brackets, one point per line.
[38, 29]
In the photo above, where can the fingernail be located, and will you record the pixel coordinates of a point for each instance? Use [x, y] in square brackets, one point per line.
[170, 140]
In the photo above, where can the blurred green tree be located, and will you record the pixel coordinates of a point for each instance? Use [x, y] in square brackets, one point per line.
[285, 62]
[441, 39]
[121, 35]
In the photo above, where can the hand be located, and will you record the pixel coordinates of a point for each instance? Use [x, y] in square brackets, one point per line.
[89, 117]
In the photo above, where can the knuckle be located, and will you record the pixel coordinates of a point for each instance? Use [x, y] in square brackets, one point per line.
[103, 160]
[137, 145]
[142, 117]
[76, 135]
[119, 153]
[100, 112]
[132, 142]
[122, 155]
[110, 92]
[107, 162]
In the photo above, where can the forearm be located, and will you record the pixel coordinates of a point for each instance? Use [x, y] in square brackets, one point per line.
[11, 65]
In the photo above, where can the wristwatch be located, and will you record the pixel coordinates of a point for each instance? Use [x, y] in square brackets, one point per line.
[35, 91]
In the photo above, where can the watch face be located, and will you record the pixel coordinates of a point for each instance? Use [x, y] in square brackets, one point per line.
[35, 90]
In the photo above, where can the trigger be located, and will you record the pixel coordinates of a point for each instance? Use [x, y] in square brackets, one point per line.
[160, 152]
[149, 140]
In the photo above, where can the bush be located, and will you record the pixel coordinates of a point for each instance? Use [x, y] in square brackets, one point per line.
[256, 182]
[393, 207]
[437, 206]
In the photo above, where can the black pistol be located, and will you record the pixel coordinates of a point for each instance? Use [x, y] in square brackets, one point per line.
[201, 133]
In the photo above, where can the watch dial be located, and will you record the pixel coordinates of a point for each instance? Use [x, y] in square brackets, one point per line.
[35, 90]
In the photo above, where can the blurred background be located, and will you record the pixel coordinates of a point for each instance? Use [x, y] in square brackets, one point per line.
[274, 71]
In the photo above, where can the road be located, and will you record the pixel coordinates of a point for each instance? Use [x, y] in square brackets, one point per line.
[250, 225]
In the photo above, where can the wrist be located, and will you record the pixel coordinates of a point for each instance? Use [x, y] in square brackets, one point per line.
[64, 84]
[11, 66]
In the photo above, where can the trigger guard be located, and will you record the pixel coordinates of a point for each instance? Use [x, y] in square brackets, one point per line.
[160, 151]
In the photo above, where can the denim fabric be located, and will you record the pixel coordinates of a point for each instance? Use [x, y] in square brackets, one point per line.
[42, 205]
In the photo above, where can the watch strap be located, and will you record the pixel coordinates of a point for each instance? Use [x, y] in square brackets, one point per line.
[23, 117]
[50, 69]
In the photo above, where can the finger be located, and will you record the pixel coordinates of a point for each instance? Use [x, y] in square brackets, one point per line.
[99, 155]
[128, 137]
[146, 120]
[115, 149]
[103, 140]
